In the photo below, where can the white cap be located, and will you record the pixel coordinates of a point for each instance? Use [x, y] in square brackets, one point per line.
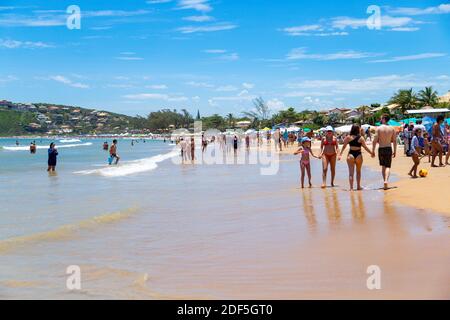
[329, 128]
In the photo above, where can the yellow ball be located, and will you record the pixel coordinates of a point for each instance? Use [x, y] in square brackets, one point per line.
[423, 173]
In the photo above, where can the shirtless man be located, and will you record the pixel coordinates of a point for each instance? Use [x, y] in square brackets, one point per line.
[386, 138]
[113, 152]
[437, 141]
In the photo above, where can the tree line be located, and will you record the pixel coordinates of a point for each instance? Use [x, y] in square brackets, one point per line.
[262, 116]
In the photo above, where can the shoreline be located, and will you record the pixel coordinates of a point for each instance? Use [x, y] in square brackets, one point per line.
[421, 193]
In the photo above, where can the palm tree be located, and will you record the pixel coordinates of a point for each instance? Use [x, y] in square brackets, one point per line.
[428, 97]
[261, 111]
[363, 110]
[405, 99]
[231, 119]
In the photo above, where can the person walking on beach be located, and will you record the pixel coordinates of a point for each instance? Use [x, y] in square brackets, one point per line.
[183, 146]
[437, 141]
[247, 142]
[305, 161]
[52, 154]
[113, 152]
[447, 139]
[416, 151]
[235, 144]
[355, 157]
[387, 141]
[105, 146]
[329, 149]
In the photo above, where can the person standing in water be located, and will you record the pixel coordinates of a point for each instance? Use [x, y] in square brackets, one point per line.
[192, 149]
[329, 150]
[235, 144]
[355, 157]
[387, 140]
[52, 154]
[113, 152]
[305, 161]
[33, 147]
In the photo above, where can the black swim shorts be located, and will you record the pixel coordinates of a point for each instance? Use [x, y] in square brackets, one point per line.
[385, 156]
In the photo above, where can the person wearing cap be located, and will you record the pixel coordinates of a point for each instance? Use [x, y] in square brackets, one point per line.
[305, 162]
[329, 149]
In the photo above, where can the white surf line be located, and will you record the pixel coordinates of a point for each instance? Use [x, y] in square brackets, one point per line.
[131, 167]
[27, 148]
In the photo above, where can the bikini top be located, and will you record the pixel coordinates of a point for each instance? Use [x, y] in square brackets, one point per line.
[355, 142]
[332, 143]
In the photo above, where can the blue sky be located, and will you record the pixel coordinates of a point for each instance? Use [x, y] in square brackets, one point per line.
[139, 56]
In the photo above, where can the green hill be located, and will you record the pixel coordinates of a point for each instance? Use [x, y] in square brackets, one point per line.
[15, 122]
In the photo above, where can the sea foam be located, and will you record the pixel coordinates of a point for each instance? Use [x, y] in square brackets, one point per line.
[27, 148]
[131, 167]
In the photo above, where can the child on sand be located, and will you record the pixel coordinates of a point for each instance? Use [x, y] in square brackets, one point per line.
[416, 151]
[305, 164]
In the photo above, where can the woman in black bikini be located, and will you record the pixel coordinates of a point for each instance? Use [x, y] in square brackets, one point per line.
[355, 158]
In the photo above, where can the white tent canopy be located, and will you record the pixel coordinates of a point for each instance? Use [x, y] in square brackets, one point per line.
[343, 129]
[427, 111]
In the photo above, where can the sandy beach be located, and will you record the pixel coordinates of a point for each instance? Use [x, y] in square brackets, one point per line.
[428, 193]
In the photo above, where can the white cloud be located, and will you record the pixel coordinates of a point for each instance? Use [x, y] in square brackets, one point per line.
[276, 105]
[366, 85]
[155, 96]
[301, 53]
[14, 44]
[215, 51]
[441, 9]
[200, 84]
[157, 87]
[129, 58]
[411, 57]
[55, 18]
[203, 18]
[158, 1]
[209, 28]
[198, 5]
[229, 57]
[227, 88]
[68, 82]
[248, 85]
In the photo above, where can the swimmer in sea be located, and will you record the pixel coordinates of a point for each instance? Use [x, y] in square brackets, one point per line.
[113, 151]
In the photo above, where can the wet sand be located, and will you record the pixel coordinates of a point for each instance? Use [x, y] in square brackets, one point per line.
[226, 232]
[428, 193]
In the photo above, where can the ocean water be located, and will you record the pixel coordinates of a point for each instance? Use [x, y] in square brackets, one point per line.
[151, 229]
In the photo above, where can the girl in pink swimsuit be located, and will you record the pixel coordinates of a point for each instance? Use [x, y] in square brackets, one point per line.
[305, 164]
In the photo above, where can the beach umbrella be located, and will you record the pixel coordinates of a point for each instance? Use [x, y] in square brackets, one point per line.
[293, 128]
[394, 123]
[266, 129]
[343, 129]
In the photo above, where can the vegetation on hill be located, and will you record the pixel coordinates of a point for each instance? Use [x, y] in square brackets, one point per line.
[14, 122]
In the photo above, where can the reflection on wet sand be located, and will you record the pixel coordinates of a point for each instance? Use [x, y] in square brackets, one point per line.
[332, 206]
[308, 208]
[358, 206]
